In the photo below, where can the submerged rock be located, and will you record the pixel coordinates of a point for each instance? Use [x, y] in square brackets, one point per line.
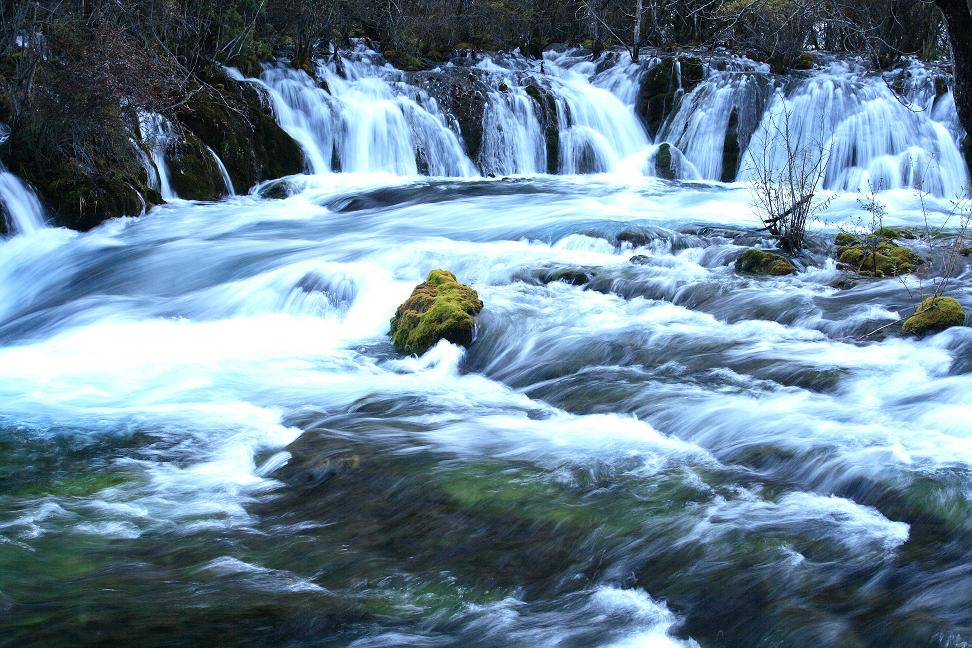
[755, 261]
[935, 314]
[441, 308]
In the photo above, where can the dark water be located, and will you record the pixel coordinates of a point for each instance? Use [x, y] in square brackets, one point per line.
[208, 439]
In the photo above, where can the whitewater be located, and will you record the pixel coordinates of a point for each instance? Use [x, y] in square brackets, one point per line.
[207, 436]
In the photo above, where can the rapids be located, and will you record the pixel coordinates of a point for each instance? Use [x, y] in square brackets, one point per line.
[206, 436]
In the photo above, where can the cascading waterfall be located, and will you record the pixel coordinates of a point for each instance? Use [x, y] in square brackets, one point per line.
[870, 138]
[156, 132]
[370, 117]
[204, 425]
[366, 120]
[21, 208]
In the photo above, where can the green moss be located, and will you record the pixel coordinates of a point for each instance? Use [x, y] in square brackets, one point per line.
[844, 239]
[935, 314]
[439, 309]
[755, 261]
[804, 62]
[883, 260]
[892, 233]
[405, 61]
[781, 267]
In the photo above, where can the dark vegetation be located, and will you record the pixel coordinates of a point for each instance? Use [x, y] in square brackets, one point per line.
[75, 74]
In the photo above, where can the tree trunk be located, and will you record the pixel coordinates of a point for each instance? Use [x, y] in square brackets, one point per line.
[958, 24]
[636, 45]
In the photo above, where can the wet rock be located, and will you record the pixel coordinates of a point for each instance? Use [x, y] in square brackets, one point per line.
[731, 150]
[441, 308]
[659, 93]
[550, 120]
[664, 164]
[935, 314]
[280, 189]
[463, 96]
[568, 276]
[755, 261]
[237, 123]
[843, 283]
[640, 259]
[193, 172]
[872, 256]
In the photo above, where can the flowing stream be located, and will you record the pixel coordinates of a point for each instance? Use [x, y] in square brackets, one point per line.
[207, 437]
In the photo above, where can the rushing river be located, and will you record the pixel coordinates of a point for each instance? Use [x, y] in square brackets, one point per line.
[206, 437]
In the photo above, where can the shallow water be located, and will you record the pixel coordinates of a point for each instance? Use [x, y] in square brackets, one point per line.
[207, 437]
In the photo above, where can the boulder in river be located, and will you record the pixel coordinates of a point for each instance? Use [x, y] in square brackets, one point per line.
[755, 261]
[876, 255]
[935, 314]
[441, 308]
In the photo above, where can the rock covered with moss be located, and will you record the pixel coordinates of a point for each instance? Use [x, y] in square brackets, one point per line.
[440, 308]
[663, 86]
[935, 314]
[877, 255]
[755, 261]
[235, 120]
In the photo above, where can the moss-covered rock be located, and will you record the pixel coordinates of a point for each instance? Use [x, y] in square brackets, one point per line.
[82, 194]
[883, 259]
[935, 314]
[659, 92]
[892, 233]
[193, 172]
[405, 61]
[441, 308]
[755, 261]
[237, 122]
[845, 239]
[804, 62]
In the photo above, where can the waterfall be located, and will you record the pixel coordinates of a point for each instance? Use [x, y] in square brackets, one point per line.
[223, 172]
[870, 137]
[570, 114]
[366, 120]
[20, 206]
[156, 133]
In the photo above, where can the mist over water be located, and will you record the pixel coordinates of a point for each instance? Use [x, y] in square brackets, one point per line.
[206, 435]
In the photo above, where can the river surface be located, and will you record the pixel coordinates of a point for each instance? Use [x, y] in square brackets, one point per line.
[207, 437]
